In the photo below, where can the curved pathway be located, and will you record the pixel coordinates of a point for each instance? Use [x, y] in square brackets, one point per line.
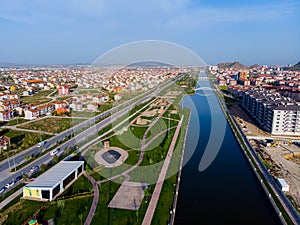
[95, 200]
[144, 145]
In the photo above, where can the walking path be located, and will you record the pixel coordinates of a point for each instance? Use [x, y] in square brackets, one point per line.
[95, 200]
[143, 147]
[10, 198]
[26, 130]
[155, 196]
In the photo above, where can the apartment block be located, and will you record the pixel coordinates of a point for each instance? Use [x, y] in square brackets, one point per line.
[276, 114]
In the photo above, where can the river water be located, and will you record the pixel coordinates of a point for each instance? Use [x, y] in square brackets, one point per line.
[227, 191]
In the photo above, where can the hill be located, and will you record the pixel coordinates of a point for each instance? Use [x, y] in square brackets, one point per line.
[151, 64]
[295, 67]
[233, 65]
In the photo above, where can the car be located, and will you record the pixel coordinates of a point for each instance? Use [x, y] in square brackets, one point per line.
[2, 189]
[34, 168]
[7, 185]
[53, 152]
[18, 178]
[11, 183]
[41, 144]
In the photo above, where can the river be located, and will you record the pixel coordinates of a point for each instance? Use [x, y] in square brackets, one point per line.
[227, 191]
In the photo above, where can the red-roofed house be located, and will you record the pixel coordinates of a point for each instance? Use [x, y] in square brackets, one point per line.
[4, 142]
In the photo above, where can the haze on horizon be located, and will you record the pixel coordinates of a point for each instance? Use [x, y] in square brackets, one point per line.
[70, 31]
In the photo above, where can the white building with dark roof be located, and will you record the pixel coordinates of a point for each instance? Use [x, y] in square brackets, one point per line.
[53, 182]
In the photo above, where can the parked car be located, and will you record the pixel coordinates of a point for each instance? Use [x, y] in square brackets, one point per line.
[18, 178]
[34, 168]
[11, 183]
[2, 189]
[7, 185]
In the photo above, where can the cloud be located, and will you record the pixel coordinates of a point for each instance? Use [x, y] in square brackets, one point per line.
[209, 15]
[168, 13]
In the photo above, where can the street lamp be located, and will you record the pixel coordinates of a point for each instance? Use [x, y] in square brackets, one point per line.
[169, 125]
[5, 148]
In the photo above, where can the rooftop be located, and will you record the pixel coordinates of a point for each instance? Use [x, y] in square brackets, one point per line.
[54, 175]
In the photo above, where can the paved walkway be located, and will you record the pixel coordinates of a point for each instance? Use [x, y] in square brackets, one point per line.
[10, 198]
[144, 145]
[155, 196]
[26, 130]
[272, 137]
[93, 208]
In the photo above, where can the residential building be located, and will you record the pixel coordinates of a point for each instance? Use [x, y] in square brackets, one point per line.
[4, 142]
[276, 114]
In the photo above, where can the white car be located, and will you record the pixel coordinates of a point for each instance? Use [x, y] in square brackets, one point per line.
[53, 152]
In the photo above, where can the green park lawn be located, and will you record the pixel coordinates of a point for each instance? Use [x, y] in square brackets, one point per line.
[76, 200]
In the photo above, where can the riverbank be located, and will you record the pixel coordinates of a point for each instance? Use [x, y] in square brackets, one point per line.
[173, 214]
[282, 206]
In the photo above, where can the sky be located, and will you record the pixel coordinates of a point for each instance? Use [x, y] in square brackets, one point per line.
[79, 31]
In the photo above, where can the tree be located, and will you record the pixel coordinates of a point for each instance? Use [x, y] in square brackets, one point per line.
[25, 176]
[27, 157]
[61, 204]
[80, 217]
[55, 158]
[43, 167]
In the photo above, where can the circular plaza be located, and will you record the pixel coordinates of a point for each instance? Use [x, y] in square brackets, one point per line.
[111, 157]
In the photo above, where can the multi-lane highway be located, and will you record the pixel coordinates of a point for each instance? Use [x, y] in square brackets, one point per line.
[89, 127]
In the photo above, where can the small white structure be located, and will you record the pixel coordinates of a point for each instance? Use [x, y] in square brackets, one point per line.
[283, 184]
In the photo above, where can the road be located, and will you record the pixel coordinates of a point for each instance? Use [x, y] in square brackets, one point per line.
[90, 126]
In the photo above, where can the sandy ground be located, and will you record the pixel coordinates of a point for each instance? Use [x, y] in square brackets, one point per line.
[274, 156]
[288, 169]
[247, 124]
[129, 196]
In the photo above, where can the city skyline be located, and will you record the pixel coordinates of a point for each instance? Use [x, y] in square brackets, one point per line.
[52, 32]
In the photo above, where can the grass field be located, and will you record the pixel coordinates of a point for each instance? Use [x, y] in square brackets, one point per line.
[77, 200]
[13, 122]
[105, 215]
[38, 98]
[20, 141]
[52, 125]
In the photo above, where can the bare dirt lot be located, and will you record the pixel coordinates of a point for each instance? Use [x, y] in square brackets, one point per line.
[129, 196]
[289, 169]
[246, 123]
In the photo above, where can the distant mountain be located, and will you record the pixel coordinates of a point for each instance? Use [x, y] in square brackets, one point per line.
[254, 66]
[16, 65]
[233, 65]
[295, 67]
[150, 64]
[7, 64]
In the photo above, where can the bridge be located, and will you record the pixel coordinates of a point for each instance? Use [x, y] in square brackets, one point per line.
[202, 78]
[205, 89]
